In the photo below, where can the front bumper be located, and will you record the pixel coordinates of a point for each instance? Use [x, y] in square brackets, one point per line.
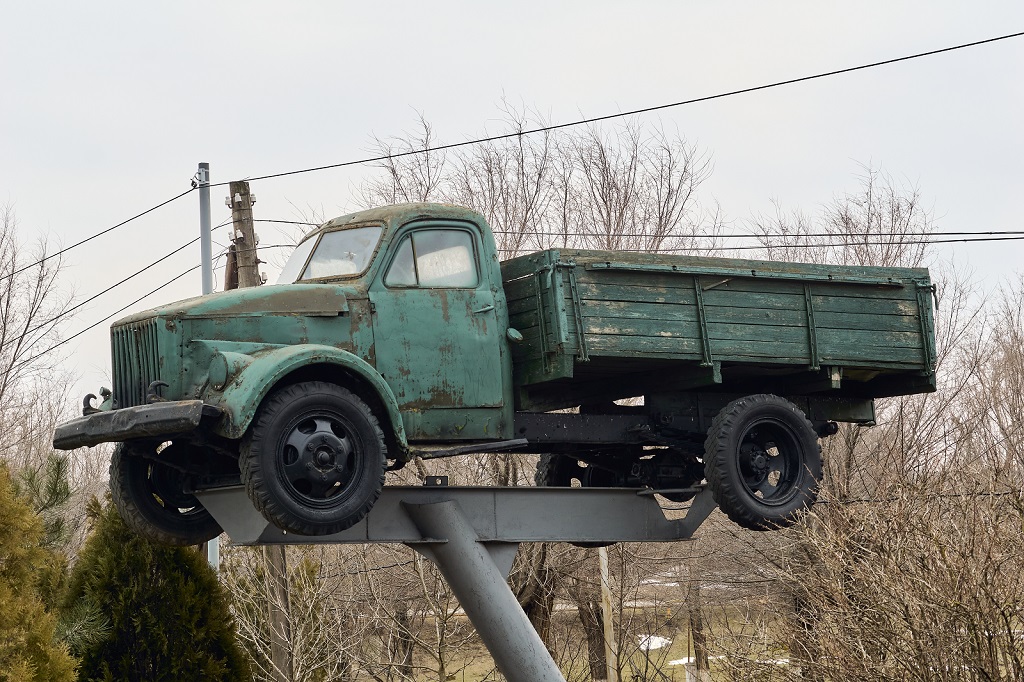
[143, 421]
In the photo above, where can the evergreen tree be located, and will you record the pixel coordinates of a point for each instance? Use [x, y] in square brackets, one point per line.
[169, 616]
[28, 650]
[47, 488]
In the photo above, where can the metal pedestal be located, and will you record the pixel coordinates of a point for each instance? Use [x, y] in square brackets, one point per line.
[472, 535]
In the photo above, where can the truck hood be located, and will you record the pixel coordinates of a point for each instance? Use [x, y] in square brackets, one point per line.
[309, 300]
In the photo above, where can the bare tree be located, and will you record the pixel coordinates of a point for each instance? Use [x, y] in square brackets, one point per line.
[32, 307]
[632, 188]
[906, 568]
[508, 181]
[910, 507]
[415, 620]
[637, 189]
[880, 223]
[33, 389]
[321, 608]
[412, 171]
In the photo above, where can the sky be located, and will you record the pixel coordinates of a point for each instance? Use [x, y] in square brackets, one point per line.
[106, 108]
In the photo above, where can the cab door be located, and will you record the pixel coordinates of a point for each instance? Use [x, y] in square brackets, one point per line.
[436, 335]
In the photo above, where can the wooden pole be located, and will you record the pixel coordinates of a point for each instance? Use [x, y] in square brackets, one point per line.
[611, 654]
[279, 608]
[244, 237]
[278, 611]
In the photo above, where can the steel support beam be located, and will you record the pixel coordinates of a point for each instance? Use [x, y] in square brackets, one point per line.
[479, 584]
[523, 514]
[472, 534]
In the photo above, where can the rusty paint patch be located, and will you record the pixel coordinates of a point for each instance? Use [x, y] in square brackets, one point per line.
[443, 300]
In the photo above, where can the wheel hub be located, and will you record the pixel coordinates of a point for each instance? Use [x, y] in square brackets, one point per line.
[759, 461]
[326, 451]
[317, 458]
[324, 457]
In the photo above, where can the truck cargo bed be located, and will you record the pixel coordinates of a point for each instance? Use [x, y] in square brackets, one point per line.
[615, 322]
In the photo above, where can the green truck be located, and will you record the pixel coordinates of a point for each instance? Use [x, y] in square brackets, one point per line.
[397, 333]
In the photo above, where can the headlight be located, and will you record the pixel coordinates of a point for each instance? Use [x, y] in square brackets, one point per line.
[225, 366]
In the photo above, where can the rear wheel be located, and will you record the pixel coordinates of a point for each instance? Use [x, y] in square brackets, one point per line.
[762, 461]
[557, 471]
[313, 461]
[149, 493]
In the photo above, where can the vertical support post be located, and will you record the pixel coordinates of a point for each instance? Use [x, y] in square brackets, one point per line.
[241, 201]
[707, 359]
[278, 613]
[812, 331]
[205, 245]
[213, 553]
[611, 649]
[279, 608]
[482, 592]
[212, 548]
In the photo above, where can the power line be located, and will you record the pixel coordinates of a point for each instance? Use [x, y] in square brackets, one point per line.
[98, 234]
[285, 222]
[121, 310]
[116, 312]
[785, 246]
[633, 112]
[139, 272]
[888, 243]
[735, 235]
[92, 298]
[532, 131]
[759, 235]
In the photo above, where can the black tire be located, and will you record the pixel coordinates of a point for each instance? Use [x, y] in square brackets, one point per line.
[559, 471]
[762, 461]
[313, 460]
[150, 496]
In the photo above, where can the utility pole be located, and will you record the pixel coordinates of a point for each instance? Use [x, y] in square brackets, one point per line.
[611, 648]
[278, 607]
[279, 613]
[212, 547]
[244, 236]
[205, 247]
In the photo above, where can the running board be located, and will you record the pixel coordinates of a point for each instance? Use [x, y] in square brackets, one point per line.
[474, 449]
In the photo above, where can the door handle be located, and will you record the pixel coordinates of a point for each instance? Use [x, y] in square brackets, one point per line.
[486, 308]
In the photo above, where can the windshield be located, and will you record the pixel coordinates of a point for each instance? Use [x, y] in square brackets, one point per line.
[295, 263]
[338, 254]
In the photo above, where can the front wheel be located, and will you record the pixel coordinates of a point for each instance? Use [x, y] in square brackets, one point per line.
[762, 461]
[150, 495]
[313, 461]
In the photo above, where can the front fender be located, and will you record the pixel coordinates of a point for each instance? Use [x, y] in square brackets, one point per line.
[254, 376]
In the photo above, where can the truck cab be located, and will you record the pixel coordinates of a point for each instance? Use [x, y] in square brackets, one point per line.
[430, 278]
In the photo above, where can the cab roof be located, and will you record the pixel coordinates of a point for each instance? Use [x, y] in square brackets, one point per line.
[400, 214]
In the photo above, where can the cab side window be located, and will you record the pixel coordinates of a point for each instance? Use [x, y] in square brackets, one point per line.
[434, 259]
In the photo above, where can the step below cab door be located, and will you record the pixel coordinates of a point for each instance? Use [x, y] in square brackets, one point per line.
[437, 336]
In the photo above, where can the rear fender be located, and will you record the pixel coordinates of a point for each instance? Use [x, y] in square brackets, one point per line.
[252, 377]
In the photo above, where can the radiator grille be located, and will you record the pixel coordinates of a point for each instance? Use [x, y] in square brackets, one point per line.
[136, 361]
